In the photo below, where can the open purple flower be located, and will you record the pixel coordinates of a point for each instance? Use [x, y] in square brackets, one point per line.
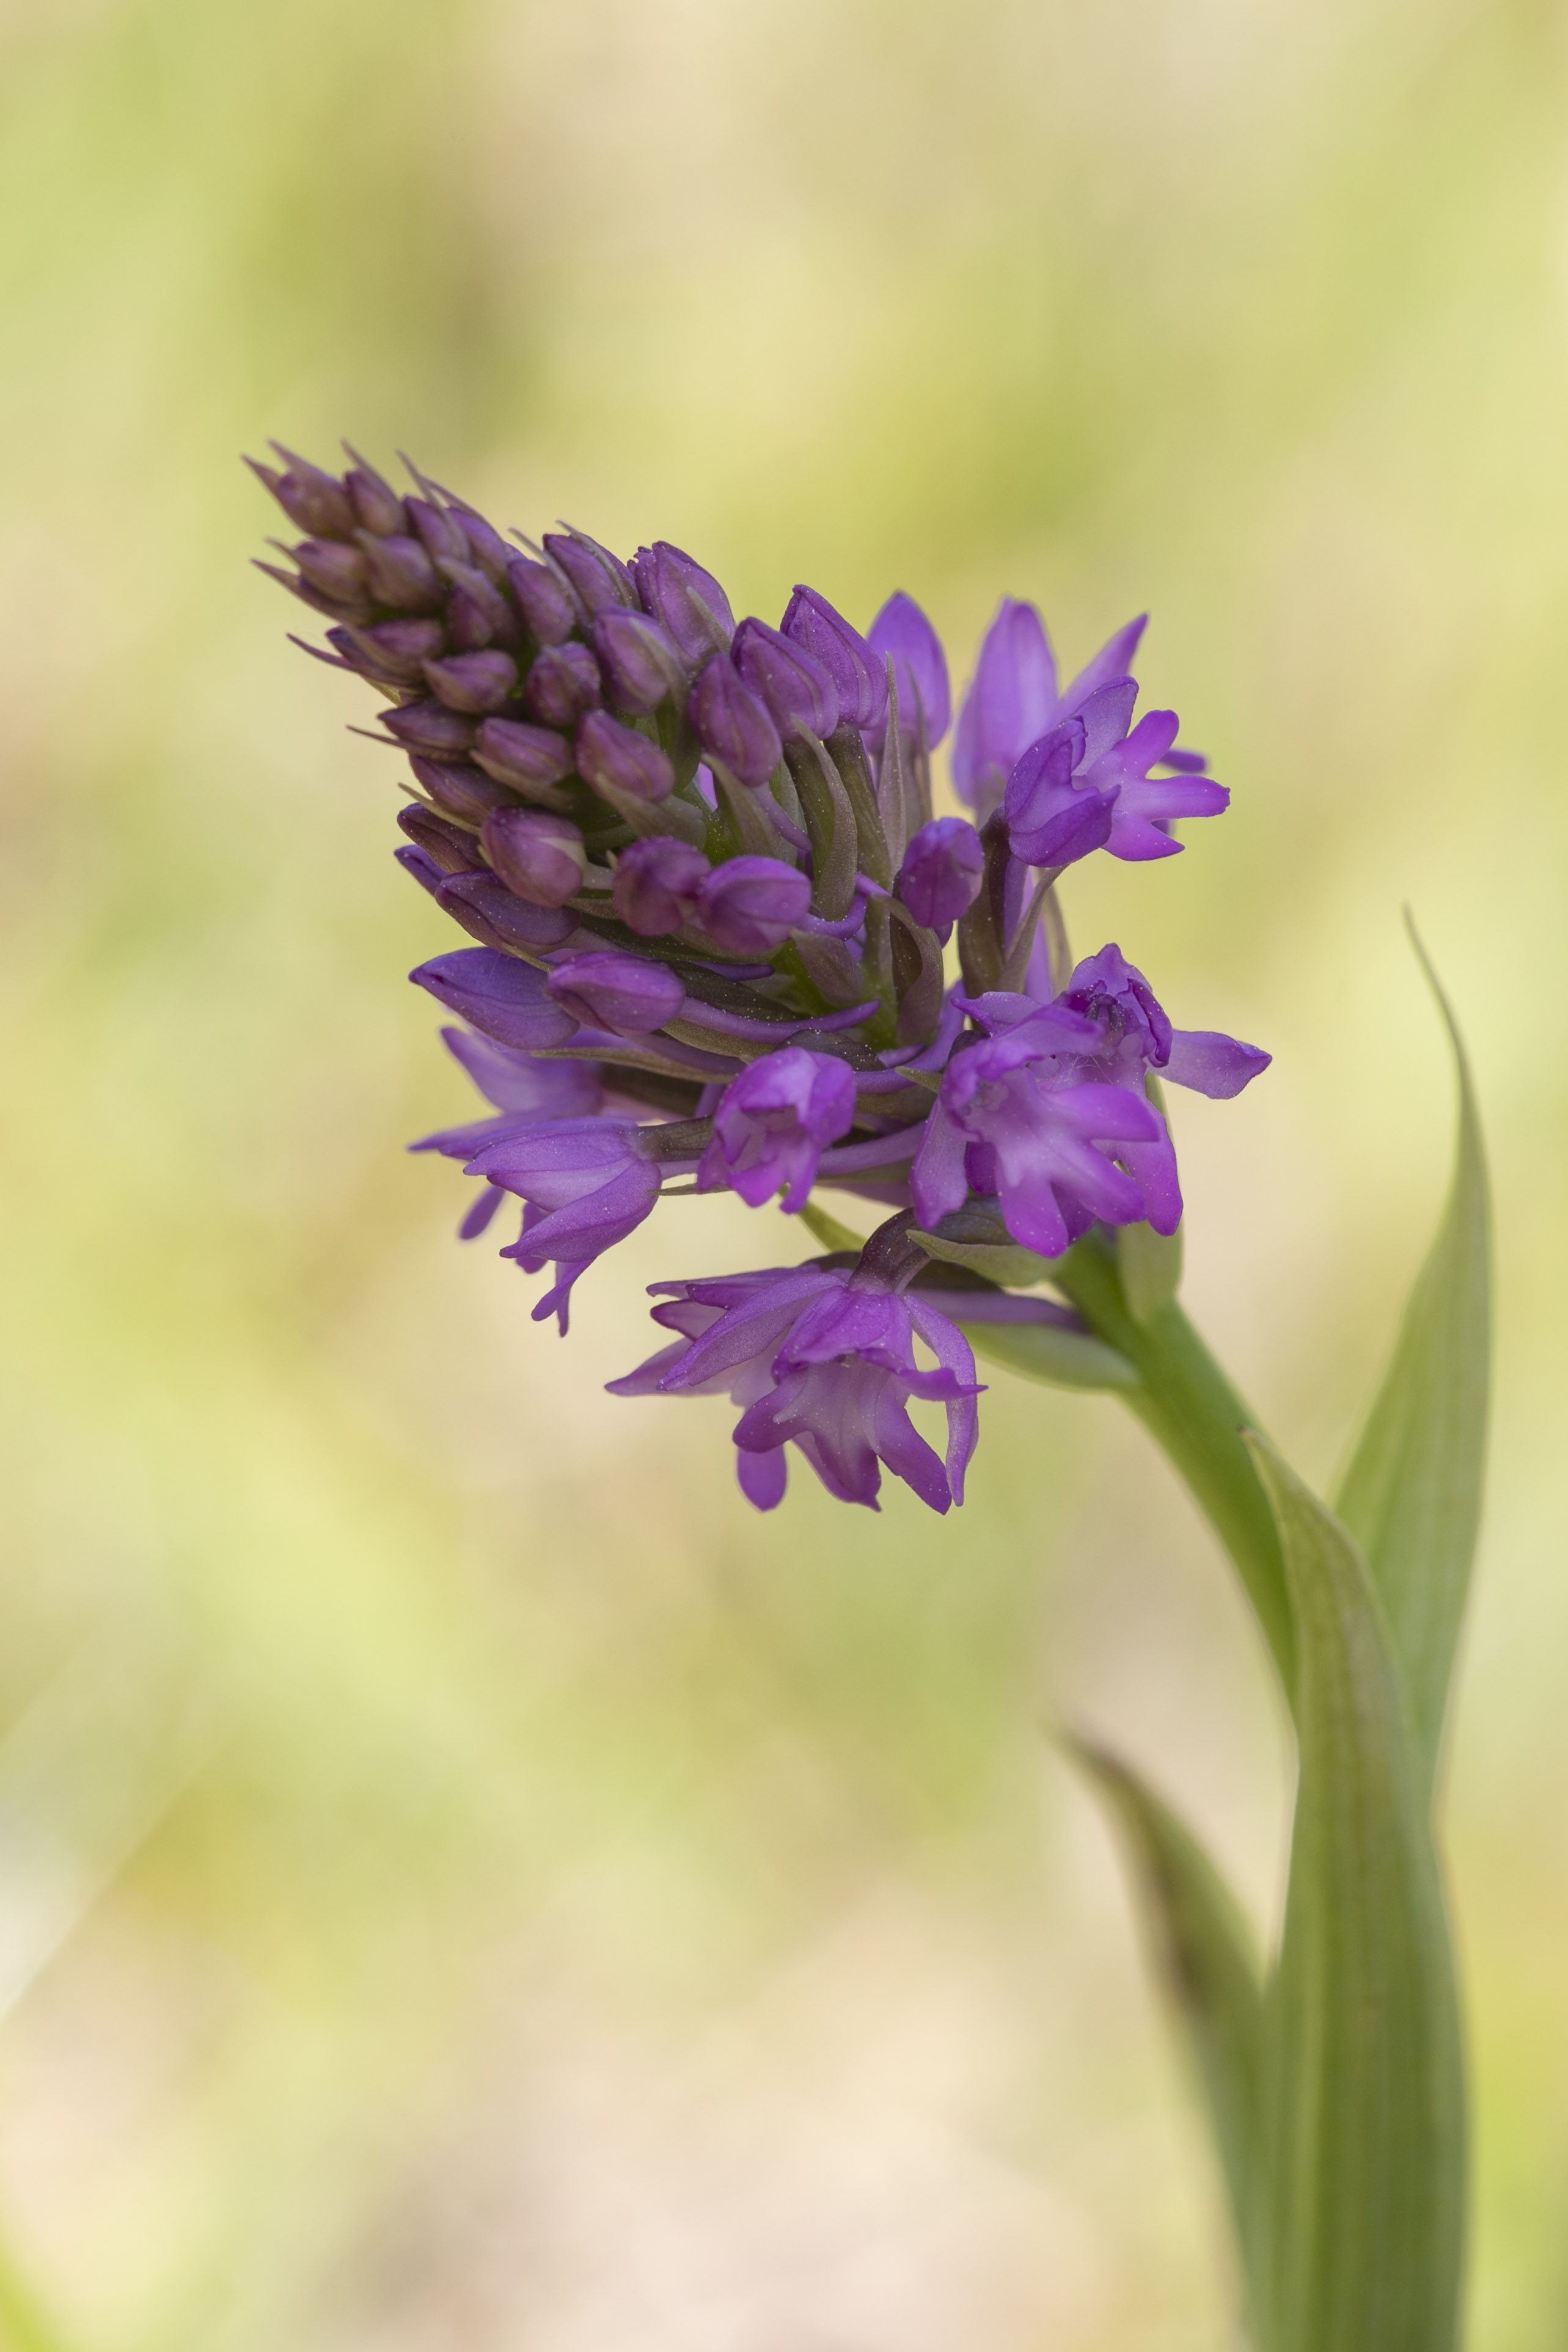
[586, 1185]
[1014, 698]
[822, 1359]
[1137, 1036]
[526, 1093]
[773, 1123]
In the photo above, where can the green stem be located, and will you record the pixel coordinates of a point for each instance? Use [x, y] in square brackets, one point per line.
[1190, 1410]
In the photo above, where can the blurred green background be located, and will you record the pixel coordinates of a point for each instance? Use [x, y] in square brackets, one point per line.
[465, 1880]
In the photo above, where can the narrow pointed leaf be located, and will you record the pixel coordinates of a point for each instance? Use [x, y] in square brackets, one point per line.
[1206, 1957]
[1412, 1494]
[1363, 2098]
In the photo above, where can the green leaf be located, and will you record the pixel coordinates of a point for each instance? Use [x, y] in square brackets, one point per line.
[1412, 1494]
[1151, 1268]
[828, 1231]
[1004, 1262]
[1206, 1957]
[1363, 2101]
[1045, 1351]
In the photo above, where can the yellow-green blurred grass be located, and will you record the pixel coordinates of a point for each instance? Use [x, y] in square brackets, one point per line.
[568, 1909]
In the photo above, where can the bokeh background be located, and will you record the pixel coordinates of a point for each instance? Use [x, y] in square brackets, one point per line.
[465, 1880]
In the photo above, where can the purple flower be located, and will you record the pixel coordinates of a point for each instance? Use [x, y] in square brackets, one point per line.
[599, 578]
[1086, 786]
[734, 725]
[1014, 1119]
[773, 1123]
[478, 683]
[749, 906]
[640, 664]
[1053, 815]
[797, 689]
[529, 758]
[499, 996]
[498, 918]
[823, 1360]
[586, 1184]
[542, 599]
[622, 993]
[941, 873]
[1014, 698]
[618, 762]
[540, 856]
[686, 602]
[1144, 805]
[1136, 1034]
[659, 884]
[919, 668]
[563, 683]
[526, 1093]
[859, 679]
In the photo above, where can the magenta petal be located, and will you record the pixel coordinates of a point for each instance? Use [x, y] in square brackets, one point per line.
[763, 1476]
[1212, 1063]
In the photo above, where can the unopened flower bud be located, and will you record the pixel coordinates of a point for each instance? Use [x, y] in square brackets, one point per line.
[539, 855]
[396, 649]
[620, 993]
[902, 631]
[733, 726]
[448, 848]
[498, 918]
[640, 664]
[499, 996]
[659, 883]
[431, 728]
[376, 504]
[334, 569]
[599, 579]
[615, 759]
[562, 685]
[478, 615]
[858, 673]
[313, 500]
[941, 873]
[749, 906]
[461, 790]
[686, 602]
[487, 547]
[401, 574]
[542, 599]
[526, 758]
[478, 682]
[796, 687]
[438, 533]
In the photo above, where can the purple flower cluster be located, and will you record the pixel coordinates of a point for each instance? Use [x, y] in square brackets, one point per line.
[714, 914]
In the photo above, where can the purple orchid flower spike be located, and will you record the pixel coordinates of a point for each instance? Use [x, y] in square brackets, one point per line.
[822, 1359]
[902, 634]
[773, 1123]
[526, 1093]
[586, 1184]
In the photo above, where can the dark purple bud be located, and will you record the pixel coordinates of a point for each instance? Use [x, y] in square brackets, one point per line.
[734, 726]
[487, 548]
[439, 533]
[423, 867]
[539, 855]
[562, 685]
[686, 602]
[599, 579]
[447, 847]
[542, 599]
[462, 790]
[313, 500]
[499, 996]
[498, 918]
[474, 682]
[901, 630]
[641, 666]
[658, 884]
[941, 873]
[616, 759]
[858, 674]
[527, 757]
[395, 649]
[376, 504]
[478, 615]
[431, 728]
[334, 570]
[796, 687]
[400, 574]
[620, 993]
[749, 906]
